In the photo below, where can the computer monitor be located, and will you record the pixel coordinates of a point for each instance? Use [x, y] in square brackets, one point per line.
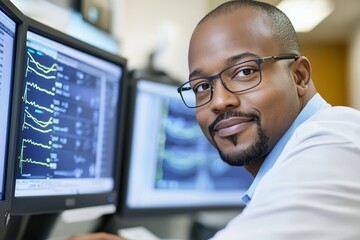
[70, 126]
[170, 166]
[10, 20]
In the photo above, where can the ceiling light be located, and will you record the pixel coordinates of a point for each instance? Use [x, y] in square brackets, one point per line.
[306, 14]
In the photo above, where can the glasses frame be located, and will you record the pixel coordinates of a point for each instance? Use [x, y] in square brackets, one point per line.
[258, 61]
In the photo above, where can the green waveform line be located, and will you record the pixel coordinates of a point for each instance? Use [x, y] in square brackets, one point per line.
[44, 69]
[38, 106]
[40, 74]
[36, 129]
[35, 143]
[34, 85]
[29, 160]
[41, 67]
[42, 124]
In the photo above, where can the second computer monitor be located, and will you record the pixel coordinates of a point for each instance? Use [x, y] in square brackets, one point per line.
[171, 167]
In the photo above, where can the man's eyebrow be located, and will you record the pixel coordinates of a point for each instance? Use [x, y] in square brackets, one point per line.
[238, 57]
[195, 73]
[228, 61]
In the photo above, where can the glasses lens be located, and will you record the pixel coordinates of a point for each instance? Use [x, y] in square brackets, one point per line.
[196, 92]
[237, 78]
[242, 76]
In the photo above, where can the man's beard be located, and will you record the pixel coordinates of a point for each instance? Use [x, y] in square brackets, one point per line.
[247, 156]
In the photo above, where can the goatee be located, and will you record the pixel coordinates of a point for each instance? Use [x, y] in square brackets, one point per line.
[247, 156]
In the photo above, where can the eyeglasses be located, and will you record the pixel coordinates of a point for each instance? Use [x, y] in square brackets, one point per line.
[236, 78]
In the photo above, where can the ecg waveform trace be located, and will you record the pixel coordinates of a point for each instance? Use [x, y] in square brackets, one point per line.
[57, 119]
[40, 70]
[37, 124]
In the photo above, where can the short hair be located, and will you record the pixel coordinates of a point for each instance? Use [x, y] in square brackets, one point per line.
[281, 25]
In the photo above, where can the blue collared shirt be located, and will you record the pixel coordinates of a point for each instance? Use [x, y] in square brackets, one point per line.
[315, 104]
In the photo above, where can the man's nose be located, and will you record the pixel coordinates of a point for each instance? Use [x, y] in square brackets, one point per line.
[223, 100]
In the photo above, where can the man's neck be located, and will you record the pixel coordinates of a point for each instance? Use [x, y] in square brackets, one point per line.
[254, 167]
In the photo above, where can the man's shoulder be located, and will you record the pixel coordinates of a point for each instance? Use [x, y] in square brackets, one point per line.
[330, 125]
[340, 114]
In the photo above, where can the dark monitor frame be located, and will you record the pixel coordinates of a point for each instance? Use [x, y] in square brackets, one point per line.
[6, 204]
[37, 205]
[123, 210]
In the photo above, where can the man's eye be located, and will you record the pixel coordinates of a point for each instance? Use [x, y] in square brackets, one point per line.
[201, 87]
[244, 72]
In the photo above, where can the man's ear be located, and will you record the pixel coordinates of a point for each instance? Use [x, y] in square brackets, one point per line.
[302, 74]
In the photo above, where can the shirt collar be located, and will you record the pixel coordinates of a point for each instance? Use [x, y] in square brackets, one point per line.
[315, 104]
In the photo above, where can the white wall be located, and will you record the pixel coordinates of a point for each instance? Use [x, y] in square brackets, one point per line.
[354, 69]
[158, 25]
[71, 23]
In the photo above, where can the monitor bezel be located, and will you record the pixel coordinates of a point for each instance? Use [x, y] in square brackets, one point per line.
[55, 204]
[125, 211]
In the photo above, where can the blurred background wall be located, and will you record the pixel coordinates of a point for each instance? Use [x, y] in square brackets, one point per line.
[137, 29]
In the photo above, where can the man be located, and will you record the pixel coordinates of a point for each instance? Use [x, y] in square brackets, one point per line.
[257, 104]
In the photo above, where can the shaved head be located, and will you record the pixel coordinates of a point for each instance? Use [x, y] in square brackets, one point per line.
[279, 23]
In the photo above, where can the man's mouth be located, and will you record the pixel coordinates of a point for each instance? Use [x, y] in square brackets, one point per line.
[230, 123]
[231, 126]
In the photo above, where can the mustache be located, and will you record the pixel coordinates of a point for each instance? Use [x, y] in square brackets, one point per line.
[229, 114]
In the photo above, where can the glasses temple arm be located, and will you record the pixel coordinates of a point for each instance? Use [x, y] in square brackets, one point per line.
[271, 58]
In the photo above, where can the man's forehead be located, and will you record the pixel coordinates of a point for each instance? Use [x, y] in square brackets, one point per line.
[244, 30]
[236, 14]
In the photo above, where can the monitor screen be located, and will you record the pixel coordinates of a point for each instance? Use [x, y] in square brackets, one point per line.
[170, 164]
[70, 120]
[8, 35]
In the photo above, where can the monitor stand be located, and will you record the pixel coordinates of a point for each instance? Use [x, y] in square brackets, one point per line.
[31, 227]
[88, 213]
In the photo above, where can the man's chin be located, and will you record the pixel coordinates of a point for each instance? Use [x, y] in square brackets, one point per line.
[239, 154]
[244, 149]
[233, 153]
[243, 158]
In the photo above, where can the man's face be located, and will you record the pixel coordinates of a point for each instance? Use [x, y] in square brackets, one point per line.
[245, 126]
